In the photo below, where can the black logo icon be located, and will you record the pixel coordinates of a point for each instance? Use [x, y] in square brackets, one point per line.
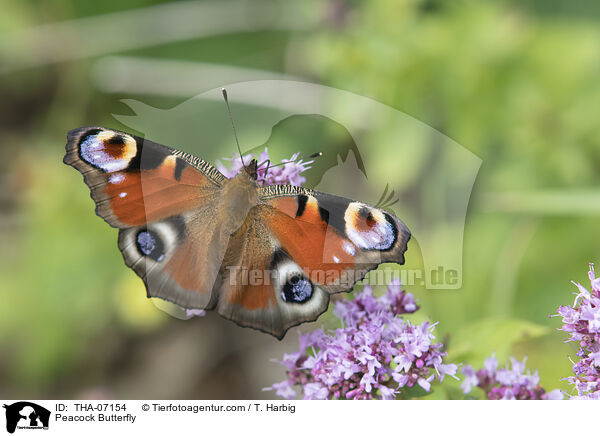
[26, 415]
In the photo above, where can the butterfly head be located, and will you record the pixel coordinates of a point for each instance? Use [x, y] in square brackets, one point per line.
[252, 169]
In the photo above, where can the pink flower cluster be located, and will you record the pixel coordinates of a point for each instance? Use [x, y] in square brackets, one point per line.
[288, 174]
[375, 354]
[582, 322]
[509, 383]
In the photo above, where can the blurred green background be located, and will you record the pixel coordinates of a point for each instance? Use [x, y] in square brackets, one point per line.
[514, 82]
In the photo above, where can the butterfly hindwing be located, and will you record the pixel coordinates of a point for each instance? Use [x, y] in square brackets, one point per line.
[263, 287]
[172, 258]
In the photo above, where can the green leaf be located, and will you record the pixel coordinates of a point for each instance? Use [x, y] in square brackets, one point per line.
[414, 392]
[476, 341]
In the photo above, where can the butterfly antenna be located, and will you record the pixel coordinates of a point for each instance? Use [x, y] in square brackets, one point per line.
[224, 91]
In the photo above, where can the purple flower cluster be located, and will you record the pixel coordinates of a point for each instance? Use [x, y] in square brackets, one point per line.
[288, 174]
[582, 322]
[374, 354]
[510, 383]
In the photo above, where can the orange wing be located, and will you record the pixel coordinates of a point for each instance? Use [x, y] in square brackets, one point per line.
[162, 201]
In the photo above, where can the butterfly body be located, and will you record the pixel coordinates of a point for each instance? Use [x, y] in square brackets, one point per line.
[266, 257]
[238, 196]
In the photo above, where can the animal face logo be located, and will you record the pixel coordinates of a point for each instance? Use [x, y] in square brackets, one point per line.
[26, 415]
